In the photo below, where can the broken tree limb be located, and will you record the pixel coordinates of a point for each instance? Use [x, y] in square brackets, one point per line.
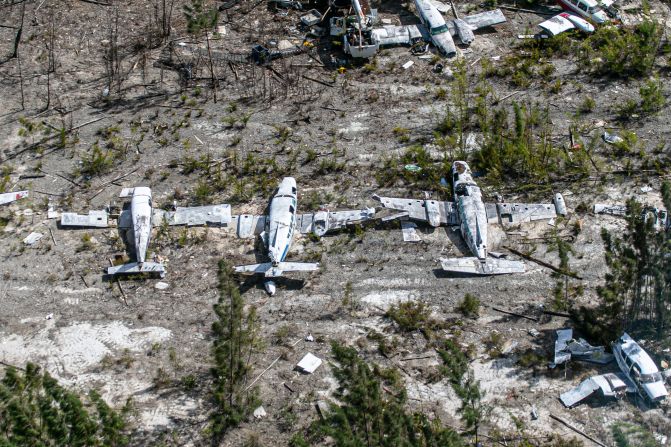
[52, 235]
[558, 419]
[507, 312]
[60, 176]
[556, 314]
[93, 2]
[118, 283]
[269, 366]
[317, 81]
[106, 184]
[507, 96]
[543, 263]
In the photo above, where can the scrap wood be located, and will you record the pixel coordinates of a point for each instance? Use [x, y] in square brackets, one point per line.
[557, 418]
[515, 314]
[118, 283]
[543, 263]
[106, 184]
[269, 366]
[317, 81]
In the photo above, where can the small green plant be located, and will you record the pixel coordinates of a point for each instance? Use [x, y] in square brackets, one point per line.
[587, 105]
[86, 243]
[402, 134]
[469, 306]
[189, 382]
[652, 96]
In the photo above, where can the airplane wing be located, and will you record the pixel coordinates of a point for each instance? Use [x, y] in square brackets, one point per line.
[525, 212]
[248, 225]
[9, 197]
[434, 212]
[96, 219]
[322, 222]
[269, 271]
[391, 35]
[485, 19]
[611, 385]
[565, 21]
[474, 266]
[198, 215]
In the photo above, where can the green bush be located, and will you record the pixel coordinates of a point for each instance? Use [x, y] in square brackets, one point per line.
[469, 306]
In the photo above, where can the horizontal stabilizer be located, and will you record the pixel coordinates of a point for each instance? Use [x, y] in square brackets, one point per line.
[610, 385]
[475, 266]
[269, 271]
[134, 267]
[9, 197]
[95, 218]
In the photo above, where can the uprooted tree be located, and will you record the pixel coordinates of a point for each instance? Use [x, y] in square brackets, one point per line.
[637, 290]
[235, 340]
[35, 410]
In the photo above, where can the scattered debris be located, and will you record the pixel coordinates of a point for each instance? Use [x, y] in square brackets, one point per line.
[646, 189]
[408, 64]
[412, 168]
[409, 232]
[260, 413]
[32, 238]
[558, 419]
[566, 347]
[310, 338]
[313, 17]
[534, 413]
[9, 197]
[309, 363]
[323, 409]
[611, 138]
[161, 285]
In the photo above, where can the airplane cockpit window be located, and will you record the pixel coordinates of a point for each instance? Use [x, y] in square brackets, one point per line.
[594, 9]
[650, 378]
[292, 209]
[439, 30]
[574, 2]
[461, 190]
[293, 189]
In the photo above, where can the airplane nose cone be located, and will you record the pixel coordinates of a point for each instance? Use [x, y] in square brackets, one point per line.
[270, 287]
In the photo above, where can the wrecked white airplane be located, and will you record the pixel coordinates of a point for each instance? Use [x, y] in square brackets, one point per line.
[277, 230]
[140, 217]
[364, 41]
[661, 218]
[10, 197]
[472, 216]
[581, 15]
[639, 374]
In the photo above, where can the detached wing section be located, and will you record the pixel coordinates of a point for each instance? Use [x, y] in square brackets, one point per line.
[511, 213]
[10, 197]
[475, 266]
[219, 215]
[322, 222]
[95, 219]
[564, 22]
[611, 385]
[434, 212]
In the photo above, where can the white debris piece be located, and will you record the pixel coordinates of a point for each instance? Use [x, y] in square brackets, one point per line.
[32, 238]
[161, 285]
[410, 232]
[260, 413]
[646, 189]
[611, 138]
[309, 363]
[408, 64]
[309, 338]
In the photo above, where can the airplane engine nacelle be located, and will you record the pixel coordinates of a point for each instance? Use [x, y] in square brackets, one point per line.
[464, 31]
[320, 223]
[560, 206]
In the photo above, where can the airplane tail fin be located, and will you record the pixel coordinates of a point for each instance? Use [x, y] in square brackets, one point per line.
[475, 266]
[135, 267]
[269, 271]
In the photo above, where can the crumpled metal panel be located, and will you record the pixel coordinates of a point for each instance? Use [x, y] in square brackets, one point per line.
[94, 218]
[611, 385]
[409, 232]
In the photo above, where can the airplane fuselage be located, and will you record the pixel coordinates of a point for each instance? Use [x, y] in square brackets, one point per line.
[471, 209]
[282, 220]
[141, 212]
[588, 9]
[435, 23]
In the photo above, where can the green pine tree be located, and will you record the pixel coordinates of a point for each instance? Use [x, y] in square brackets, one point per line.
[235, 339]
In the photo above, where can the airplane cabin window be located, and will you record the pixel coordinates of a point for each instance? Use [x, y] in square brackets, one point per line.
[574, 2]
[292, 209]
[582, 6]
[293, 189]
